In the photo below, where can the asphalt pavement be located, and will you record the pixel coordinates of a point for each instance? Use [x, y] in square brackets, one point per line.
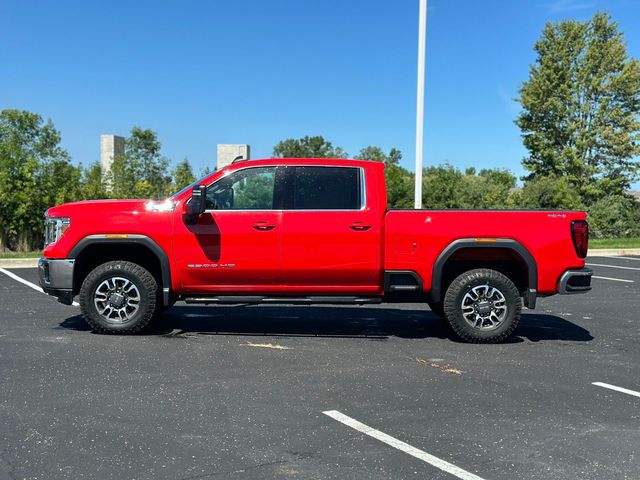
[252, 391]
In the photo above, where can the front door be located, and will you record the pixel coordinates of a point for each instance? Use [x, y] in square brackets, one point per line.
[235, 245]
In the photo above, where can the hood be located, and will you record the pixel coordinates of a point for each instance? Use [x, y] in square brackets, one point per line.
[98, 207]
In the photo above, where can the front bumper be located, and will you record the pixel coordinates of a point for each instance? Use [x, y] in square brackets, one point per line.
[56, 278]
[575, 281]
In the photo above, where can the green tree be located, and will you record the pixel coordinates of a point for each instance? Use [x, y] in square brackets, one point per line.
[182, 175]
[398, 179]
[445, 186]
[555, 193]
[500, 176]
[59, 182]
[491, 188]
[442, 187]
[374, 154]
[307, 147]
[35, 173]
[141, 172]
[615, 216]
[580, 107]
[92, 184]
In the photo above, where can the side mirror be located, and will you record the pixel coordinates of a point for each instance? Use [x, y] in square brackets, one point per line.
[198, 203]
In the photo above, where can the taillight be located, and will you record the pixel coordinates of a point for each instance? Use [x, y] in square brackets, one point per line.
[580, 236]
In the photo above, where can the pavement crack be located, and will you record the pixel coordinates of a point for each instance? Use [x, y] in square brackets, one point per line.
[179, 333]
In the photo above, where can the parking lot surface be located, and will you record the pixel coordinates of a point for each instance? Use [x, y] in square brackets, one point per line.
[240, 391]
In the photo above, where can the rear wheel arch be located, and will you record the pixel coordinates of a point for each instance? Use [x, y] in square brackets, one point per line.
[94, 250]
[460, 256]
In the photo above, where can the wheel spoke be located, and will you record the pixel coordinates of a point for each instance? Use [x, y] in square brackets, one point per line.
[484, 307]
[117, 299]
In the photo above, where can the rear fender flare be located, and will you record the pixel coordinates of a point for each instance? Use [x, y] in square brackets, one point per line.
[505, 243]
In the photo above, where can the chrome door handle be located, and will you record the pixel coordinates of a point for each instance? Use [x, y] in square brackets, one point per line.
[263, 226]
[359, 226]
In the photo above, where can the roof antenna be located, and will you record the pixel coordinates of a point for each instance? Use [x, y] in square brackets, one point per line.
[239, 158]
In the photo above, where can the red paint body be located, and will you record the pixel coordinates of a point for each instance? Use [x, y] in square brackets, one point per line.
[316, 252]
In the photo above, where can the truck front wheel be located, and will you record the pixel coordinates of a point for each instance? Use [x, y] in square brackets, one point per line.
[482, 306]
[118, 297]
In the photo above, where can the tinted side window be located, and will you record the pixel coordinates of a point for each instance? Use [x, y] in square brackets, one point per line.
[248, 189]
[326, 188]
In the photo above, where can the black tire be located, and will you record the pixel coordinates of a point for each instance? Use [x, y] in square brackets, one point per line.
[490, 327]
[437, 308]
[147, 292]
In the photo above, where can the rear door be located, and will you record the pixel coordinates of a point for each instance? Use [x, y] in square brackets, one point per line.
[330, 233]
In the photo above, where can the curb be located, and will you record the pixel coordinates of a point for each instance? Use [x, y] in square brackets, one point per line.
[612, 252]
[19, 262]
[593, 252]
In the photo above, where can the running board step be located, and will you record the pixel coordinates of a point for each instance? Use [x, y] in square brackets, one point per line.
[281, 300]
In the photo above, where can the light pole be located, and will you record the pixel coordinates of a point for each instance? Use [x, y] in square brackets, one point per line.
[422, 36]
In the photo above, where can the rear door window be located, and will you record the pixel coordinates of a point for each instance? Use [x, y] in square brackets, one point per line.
[325, 188]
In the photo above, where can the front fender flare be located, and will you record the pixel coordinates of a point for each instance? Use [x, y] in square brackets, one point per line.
[165, 268]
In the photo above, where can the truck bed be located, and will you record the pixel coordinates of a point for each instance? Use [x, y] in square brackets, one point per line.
[413, 236]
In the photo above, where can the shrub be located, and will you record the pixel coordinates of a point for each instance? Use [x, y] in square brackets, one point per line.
[553, 193]
[614, 216]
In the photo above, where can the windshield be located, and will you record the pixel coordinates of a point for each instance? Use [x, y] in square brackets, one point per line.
[188, 187]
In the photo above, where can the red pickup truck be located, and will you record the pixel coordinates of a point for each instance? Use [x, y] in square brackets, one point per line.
[307, 231]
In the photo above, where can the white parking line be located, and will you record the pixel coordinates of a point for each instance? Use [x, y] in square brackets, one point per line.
[27, 283]
[611, 266]
[617, 389]
[628, 258]
[400, 445]
[614, 279]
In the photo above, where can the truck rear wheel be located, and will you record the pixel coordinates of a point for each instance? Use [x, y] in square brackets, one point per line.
[482, 306]
[119, 297]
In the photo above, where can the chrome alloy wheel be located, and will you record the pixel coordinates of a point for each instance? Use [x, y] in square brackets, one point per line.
[484, 307]
[117, 299]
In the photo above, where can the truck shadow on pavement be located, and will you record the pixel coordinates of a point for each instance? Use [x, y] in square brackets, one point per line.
[344, 322]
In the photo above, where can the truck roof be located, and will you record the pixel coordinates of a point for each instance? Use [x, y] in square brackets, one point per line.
[305, 161]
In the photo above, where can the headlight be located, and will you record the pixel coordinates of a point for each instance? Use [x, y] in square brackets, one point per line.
[54, 228]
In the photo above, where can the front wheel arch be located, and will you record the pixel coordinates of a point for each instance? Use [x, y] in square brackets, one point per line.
[94, 250]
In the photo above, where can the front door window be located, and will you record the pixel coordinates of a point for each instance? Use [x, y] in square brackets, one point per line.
[248, 189]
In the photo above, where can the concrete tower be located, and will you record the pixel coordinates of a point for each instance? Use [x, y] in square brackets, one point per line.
[227, 152]
[110, 146]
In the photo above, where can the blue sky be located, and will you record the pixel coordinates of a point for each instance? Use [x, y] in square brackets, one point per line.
[202, 73]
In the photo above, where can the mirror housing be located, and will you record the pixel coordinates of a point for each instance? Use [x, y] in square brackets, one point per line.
[198, 203]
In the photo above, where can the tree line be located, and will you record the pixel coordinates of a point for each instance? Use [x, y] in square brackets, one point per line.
[579, 122]
[37, 173]
[611, 215]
